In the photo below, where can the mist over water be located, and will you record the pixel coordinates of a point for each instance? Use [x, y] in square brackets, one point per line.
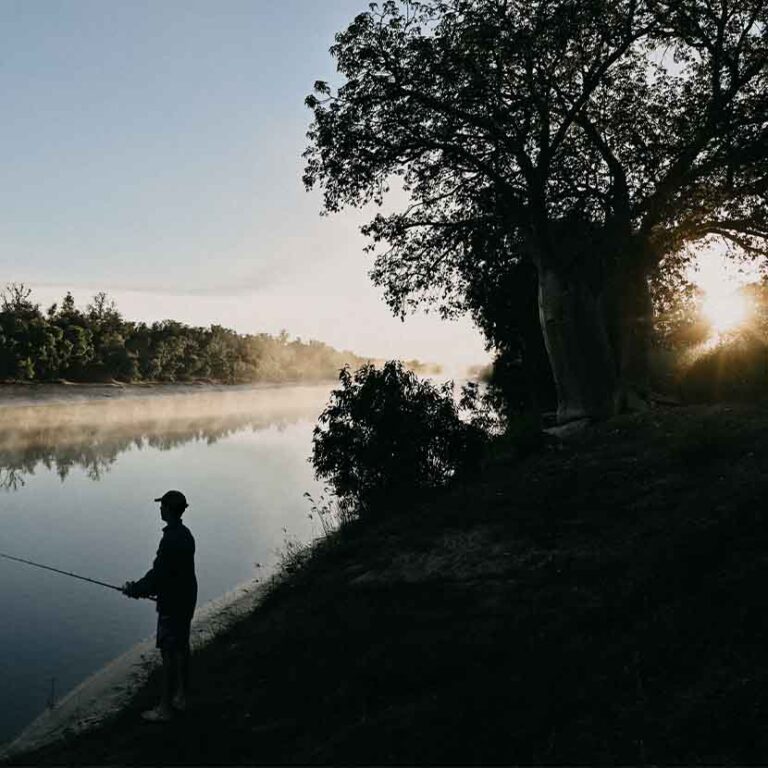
[79, 479]
[91, 434]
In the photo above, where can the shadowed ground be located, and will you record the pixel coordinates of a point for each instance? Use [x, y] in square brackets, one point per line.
[601, 601]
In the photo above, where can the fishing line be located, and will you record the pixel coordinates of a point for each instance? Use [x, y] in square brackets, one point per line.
[65, 573]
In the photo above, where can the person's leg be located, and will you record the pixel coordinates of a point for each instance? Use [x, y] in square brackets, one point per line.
[182, 629]
[163, 711]
[182, 677]
[170, 666]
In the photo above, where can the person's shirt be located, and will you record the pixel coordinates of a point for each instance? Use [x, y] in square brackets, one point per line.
[172, 576]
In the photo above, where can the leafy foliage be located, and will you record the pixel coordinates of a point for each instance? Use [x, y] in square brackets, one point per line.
[386, 433]
[577, 123]
[678, 323]
[591, 140]
[98, 344]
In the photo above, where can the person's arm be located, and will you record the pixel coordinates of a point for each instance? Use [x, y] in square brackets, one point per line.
[149, 583]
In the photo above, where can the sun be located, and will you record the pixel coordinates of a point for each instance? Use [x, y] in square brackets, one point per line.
[723, 302]
[726, 311]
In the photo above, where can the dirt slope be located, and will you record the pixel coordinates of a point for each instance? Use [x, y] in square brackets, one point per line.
[601, 601]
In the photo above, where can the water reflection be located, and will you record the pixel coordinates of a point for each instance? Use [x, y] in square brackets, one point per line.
[92, 435]
[241, 456]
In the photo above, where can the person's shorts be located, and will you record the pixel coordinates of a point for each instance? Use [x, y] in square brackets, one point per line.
[173, 632]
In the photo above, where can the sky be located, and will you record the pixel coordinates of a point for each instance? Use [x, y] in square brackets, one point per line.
[152, 149]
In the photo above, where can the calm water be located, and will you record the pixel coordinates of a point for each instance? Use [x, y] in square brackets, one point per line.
[77, 487]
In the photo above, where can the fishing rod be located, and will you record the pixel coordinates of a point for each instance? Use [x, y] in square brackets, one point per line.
[65, 573]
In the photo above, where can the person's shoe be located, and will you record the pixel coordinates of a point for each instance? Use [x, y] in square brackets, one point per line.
[157, 715]
[179, 703]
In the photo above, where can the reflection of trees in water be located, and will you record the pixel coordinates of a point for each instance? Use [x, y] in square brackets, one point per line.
[11, 479]
[95, 449]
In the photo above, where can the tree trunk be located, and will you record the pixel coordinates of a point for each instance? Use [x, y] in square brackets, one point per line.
[573, 320]
[629, 314]
[536, 368]
[635, 327]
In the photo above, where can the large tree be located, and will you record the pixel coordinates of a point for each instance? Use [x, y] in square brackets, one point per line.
[589, 139]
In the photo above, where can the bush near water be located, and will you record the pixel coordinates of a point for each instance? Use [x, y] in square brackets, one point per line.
[386, 433]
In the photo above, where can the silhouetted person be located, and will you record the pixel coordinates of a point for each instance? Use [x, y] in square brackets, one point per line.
[172, 580]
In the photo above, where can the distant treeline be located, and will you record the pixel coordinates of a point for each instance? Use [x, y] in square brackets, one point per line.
[98, 344]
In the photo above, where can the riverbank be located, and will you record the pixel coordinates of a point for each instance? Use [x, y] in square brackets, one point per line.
[597, 600]
[106, 692]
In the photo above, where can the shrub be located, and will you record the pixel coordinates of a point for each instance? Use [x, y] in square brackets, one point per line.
[386, 433]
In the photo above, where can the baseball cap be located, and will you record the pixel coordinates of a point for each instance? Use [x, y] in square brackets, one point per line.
[175, 499]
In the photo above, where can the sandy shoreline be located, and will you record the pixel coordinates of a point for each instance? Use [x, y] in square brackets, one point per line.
[110, 688]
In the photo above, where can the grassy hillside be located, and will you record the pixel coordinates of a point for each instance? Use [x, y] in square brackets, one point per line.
[601, 600]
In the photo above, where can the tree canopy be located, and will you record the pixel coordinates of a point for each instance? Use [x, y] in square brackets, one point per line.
[589, 139]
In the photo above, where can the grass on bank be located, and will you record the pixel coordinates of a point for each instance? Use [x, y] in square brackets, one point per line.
[600, 601]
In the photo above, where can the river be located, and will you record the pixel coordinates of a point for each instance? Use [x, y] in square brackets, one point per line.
[77, 483]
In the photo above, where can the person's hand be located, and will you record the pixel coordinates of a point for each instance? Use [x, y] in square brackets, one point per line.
[129, 589]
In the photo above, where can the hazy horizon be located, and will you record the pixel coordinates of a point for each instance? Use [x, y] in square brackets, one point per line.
[153, 151]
